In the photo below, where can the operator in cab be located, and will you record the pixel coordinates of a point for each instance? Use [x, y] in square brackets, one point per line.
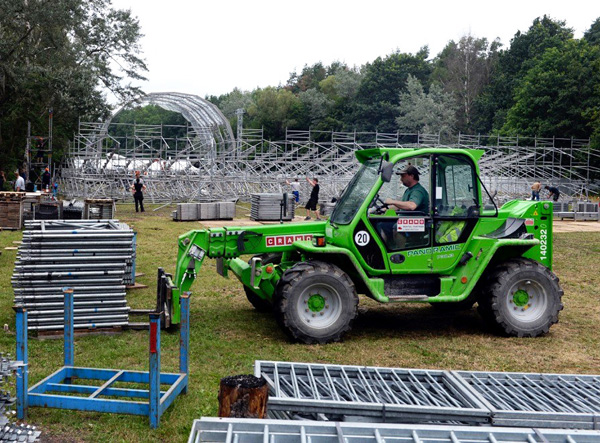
[416, 197]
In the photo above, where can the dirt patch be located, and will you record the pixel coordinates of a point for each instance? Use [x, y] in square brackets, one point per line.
[576, 226]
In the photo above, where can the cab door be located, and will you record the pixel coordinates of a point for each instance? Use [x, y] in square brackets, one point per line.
[405, 236]
[456, 208]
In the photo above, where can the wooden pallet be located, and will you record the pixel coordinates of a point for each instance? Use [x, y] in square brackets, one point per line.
[11, 214]
[59, 333]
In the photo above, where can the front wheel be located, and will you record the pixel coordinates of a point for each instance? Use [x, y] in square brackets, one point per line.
[522, 298]
[316, 302]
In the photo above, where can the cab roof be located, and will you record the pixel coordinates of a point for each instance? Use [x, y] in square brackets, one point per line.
[394, 154]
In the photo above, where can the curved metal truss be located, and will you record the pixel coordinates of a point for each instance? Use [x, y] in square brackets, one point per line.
[206, 119]
[192, 169]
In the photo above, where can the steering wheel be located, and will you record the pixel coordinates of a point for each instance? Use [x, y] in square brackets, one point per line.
[380, 206]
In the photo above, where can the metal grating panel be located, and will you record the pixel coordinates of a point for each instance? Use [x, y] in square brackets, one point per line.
[212, 429]
[400, 395]
[548, 400]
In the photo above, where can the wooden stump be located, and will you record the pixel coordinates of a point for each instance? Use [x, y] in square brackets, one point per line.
[243, 396]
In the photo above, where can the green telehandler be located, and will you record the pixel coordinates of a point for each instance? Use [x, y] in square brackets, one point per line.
[453, 254]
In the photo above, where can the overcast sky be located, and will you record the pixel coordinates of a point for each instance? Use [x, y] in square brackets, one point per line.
[209, 47]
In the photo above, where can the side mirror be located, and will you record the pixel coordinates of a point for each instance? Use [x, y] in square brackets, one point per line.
[387, 169]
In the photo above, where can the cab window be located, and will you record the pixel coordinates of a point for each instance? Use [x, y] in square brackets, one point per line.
[404, 229]
[456, 187]
[456, 199]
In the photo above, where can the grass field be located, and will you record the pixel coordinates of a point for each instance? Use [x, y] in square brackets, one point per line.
[227, 335]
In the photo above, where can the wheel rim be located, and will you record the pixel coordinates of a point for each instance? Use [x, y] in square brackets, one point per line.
[319, 306]
[527, 300]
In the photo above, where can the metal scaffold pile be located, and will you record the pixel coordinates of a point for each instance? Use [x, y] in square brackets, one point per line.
[11, 431]
[265, 207]
[419, 395]
[279, 431]
[94, 257]
[334, 403]
[397, 395]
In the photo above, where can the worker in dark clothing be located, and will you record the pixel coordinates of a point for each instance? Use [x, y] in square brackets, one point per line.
[311, 204]
[39, 156]
[137, 187]
[553, 192]
[46, 180]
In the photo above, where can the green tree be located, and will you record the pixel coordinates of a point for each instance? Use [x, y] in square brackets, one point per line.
[513, 64]
[377, 97]
[560, 94]
[174, 124]
[463, 68]
[62, 55]
[592, 35]
[231, 102]
[274, 110]
[430, 113]
[307, 79]
[316, 104]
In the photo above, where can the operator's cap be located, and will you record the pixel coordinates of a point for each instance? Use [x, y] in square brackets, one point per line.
[46, 169]
[409, 169]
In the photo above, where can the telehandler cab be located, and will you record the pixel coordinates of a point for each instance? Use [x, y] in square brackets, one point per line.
[453, 255]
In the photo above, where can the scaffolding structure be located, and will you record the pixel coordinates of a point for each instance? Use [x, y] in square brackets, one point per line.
[208, 163]
[38, 153]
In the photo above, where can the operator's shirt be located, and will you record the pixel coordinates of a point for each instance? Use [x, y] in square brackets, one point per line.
[419, 196]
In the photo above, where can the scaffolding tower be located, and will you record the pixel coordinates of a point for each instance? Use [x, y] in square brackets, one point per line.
[38, 153]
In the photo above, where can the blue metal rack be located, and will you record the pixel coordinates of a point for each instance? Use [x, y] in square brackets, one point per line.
[57, 390]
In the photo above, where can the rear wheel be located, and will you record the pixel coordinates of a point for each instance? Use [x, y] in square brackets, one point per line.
[522, 298]
[316, 302]
[260, 304]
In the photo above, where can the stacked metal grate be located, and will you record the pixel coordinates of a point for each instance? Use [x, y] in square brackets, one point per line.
[267, 207]
[204, 211]
[279, 431]
[361, 393]
[99, 209]
[577, 210]
[11, 431]
[94, 257]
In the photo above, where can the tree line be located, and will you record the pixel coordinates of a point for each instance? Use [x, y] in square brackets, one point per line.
[545, 83]
[64, 55]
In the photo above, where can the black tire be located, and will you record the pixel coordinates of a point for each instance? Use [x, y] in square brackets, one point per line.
[260, 304]
[316, 302]
[521, 298]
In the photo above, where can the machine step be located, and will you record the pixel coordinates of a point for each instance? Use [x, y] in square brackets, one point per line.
[411, 297]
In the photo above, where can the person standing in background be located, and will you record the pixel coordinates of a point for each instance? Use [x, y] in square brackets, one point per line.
[535, 191]
[46, 180]
[2, 180]
[137, 187]
[19, 183]
[311, 204]
[295, 189]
